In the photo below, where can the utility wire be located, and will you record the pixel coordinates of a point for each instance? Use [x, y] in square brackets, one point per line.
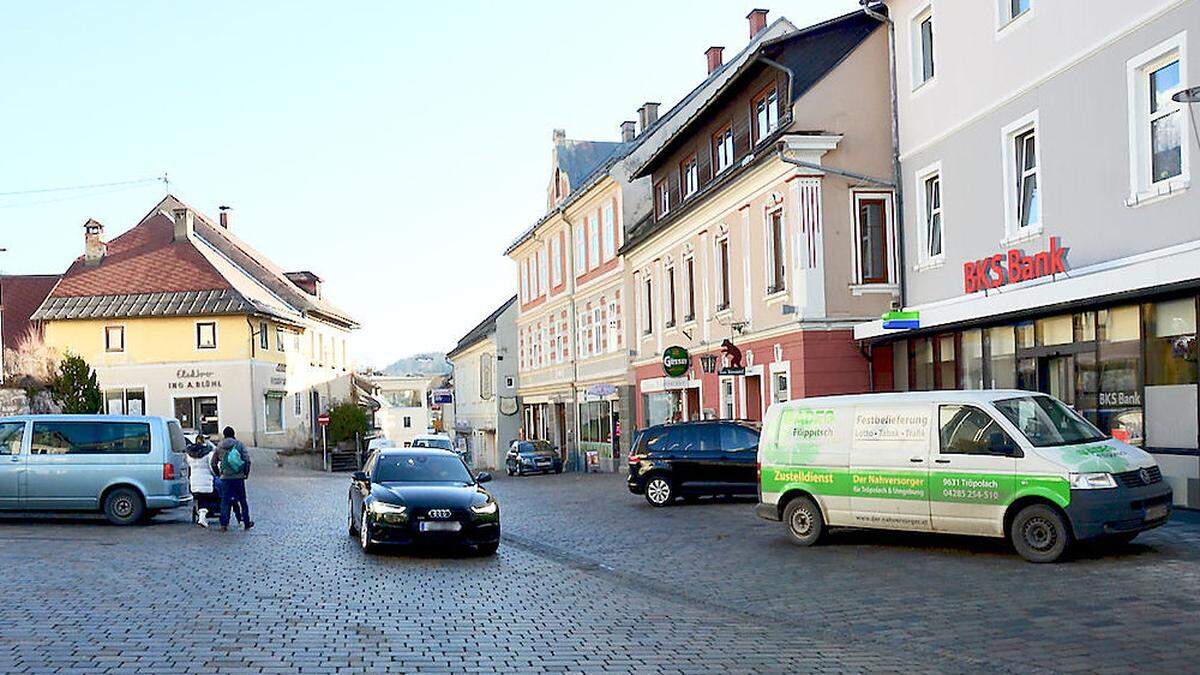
[162, 178]
[122, 188]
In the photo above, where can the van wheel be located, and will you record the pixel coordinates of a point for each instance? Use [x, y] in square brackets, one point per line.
[805, 524]
[124, 506]
[1040, 534]
[659, 491]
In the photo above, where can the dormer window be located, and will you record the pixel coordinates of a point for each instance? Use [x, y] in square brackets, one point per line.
[662, 198]
[689, 176]
[722, 149]
[765, 108]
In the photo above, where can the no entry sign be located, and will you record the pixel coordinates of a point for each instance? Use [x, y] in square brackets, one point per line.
[323, 419]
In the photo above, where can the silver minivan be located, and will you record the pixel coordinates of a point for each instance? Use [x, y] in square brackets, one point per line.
[127, 467]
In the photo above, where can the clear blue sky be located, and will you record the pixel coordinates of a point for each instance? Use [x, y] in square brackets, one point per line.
[395, 148]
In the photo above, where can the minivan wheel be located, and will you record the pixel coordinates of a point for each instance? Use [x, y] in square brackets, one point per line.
[124, 506]
[805, 524]
[659, 491]
[1039, 534]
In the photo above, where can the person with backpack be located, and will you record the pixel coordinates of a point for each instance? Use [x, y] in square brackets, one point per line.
[231, 464]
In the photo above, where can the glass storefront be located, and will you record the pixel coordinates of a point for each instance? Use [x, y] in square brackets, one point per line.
[662, 407]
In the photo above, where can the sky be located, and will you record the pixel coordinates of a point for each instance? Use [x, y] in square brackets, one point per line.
[394, 148]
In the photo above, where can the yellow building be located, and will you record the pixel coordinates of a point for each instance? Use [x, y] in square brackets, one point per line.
[181, 318]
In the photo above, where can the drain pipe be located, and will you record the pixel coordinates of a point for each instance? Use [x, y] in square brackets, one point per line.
[829, 169]
[891, 25]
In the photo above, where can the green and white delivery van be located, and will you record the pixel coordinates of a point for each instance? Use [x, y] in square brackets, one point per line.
[996, 463]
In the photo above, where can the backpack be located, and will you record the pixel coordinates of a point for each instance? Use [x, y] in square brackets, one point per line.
[233, 463]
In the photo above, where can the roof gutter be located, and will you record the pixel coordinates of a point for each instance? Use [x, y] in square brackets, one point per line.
[869, 10]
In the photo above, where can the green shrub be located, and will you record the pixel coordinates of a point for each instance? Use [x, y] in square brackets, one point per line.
[345, 420]
[75, 388]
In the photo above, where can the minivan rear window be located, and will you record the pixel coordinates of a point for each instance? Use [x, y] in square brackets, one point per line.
[178, 442]
[90, 438]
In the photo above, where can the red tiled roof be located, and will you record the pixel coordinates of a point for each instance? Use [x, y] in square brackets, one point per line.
[20, 296]
[146, 259]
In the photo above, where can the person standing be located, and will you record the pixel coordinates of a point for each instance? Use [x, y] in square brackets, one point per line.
[201, 480]
[231, 463]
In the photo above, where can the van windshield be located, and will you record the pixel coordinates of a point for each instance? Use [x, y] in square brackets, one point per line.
[1046, 421]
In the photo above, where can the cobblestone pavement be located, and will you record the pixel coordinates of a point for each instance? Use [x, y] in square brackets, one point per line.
[589, 579]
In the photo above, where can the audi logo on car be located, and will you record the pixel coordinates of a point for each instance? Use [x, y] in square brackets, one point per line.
[440, 514]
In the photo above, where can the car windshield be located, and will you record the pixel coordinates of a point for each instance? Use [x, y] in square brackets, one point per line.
[421, 469]
[1046, 421]
[439, 443]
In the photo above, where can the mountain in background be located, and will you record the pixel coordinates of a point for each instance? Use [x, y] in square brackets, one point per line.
[428, 363]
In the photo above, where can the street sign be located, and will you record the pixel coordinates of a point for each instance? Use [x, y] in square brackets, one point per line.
[323, 419]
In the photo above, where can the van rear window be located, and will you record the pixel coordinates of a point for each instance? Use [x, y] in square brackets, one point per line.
[90, 438]
[178, 441]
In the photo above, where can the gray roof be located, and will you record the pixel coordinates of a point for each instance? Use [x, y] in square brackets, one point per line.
[579, 159]
[187, 303]
[479, 332]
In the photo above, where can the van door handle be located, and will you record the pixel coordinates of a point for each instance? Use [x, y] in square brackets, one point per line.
[916, 460]
[942, 461]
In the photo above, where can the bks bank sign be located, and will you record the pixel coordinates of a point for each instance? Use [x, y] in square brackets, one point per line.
[1013, 267]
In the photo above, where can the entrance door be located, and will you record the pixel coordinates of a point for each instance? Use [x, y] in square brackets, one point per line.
[754, 398]
[1056, 376]
[693, 411]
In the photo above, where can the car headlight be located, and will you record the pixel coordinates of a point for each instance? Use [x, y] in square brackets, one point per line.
[1092, 481]
[485, 509]
[382, 508]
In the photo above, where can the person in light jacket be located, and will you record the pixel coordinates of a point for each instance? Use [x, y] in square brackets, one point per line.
[200, 480]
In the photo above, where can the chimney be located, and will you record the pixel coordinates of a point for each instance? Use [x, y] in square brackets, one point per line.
[628, 131]
[758, 21]
[648, 115]
[94, 248]
[560, 135]
[714, 58]
[224, 216]
[185, 223]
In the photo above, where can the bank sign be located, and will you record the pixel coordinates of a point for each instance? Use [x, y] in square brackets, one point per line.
[1013, 267]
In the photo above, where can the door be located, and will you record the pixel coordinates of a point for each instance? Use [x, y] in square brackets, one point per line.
[1056, 376]
[889, 466]
[754, 405]
[692, 411]
[973, 472]
[739, 451]
[12, 464]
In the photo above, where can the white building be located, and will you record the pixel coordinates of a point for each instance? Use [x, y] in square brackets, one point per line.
[486, 415]
[404, 406]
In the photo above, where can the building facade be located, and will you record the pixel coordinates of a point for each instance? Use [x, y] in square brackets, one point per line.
[405, 410]
[181, 318]
[1051, 240]
[486, 411]
[771, 233]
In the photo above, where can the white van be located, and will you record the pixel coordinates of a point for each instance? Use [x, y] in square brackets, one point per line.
[996, 463]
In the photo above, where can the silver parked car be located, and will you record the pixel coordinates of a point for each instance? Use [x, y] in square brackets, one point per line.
[126, 467]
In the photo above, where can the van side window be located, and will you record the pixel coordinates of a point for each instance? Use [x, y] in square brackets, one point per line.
[965, 430]
[90, 438]
[737, 437]
[10, 437]
[681, 440]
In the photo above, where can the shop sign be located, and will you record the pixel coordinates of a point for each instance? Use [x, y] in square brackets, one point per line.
[1113, 399]
[676, 361]
[675, 383]
[194, 378]
[601, 390]
[1014, 267]
[906, 320]
[443, 396]
[733, 360]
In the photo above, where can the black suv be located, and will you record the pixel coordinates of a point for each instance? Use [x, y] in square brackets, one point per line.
[689, 459]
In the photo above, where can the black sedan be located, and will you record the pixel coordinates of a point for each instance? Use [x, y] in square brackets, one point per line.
[422, 495]
[532, 457]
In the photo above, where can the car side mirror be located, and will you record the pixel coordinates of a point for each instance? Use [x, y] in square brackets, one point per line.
[359, 477]
[483, 477]
[1000, 444]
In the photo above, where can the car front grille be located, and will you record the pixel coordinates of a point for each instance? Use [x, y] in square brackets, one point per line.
[1139, 477]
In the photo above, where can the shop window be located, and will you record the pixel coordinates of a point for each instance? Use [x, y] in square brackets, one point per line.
[1055, 330]
[1026, 333]
[198, 414]
[662, 407]
[125, 401]
[595, 422]
[1171, 373]
[972, 360]
[923, 366]
[900, 366]
[947, 363]
[1002, 357]
[273, 411]
[114, 338]
[1120, 407]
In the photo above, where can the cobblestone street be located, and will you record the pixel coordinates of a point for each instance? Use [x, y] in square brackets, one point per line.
[589, 579]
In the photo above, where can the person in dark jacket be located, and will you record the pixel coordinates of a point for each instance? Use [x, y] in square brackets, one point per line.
[231, 464]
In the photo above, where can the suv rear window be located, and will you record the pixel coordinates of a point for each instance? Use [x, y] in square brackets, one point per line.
[738, 437]
[90, 438]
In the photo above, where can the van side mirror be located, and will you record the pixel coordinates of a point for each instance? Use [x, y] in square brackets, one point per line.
[358, 477]
[483, 477]
[1000, 444]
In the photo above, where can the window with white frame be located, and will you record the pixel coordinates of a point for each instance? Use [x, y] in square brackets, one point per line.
[662, 198]
[929, 210]
[647, 306]
[727, 398]
[580, 251]
[297, 404]
[543, 273]
[1013, 9]
[1022, 177]
[114, 338]
[609, 233]
[280, 344]
[722, 149]
[614, 325]
[776, 268]
[875, 238]
[765, 107]
[689, 176]
[593, 243]
[690, 297]
[556, 266]
[206, 335]
[723, 283]
[922, 47]
[781, 386]
[273, 411]
[597, 332]
[1159, 143]
[670, 282]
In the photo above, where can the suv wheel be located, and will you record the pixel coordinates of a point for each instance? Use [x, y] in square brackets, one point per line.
[124, 506]
[805, 524]
[1040, 534]
[659, 490]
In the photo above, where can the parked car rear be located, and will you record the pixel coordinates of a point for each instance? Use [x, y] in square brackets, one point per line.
[126, 467]
[691, 459]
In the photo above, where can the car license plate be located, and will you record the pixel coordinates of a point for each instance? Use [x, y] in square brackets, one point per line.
[435, 526]
[1156, 512]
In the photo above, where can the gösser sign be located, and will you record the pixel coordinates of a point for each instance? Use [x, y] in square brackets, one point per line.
[676, 361]
[1013, 267]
